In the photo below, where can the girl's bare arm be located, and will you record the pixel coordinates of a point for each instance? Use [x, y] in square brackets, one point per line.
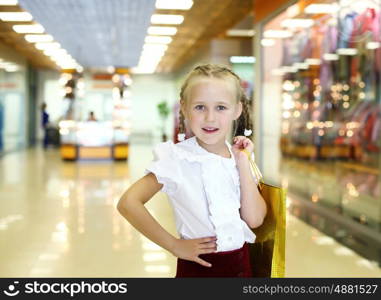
[131, 207]
[253, 207]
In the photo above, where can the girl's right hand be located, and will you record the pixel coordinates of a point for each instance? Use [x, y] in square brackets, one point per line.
[191, 249]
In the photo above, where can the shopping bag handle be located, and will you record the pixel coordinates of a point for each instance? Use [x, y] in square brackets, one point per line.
[255, 168]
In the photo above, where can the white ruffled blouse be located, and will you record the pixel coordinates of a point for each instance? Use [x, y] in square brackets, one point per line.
[204, 190]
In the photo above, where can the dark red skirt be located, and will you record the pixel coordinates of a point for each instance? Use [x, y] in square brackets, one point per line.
[235, 263]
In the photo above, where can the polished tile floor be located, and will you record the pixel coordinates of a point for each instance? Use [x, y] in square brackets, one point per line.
[58, 219]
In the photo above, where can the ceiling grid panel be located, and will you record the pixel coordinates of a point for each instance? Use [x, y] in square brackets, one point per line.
[96, 33]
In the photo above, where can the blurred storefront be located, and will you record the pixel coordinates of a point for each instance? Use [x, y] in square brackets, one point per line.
[318, 114]
[13, 100]
[96, 115]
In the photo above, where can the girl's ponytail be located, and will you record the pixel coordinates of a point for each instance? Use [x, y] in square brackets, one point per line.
[244, 124]
[181, 134]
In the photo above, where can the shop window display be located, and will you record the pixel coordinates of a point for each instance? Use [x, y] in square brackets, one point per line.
[12, 106]
[96, 122]
[322, 70]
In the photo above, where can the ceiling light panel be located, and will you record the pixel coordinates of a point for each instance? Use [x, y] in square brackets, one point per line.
[96, 33]
[273, 34]
[37, 38]
[158, 39]
[45, 46]
[295, 23]
[322, 8]
[15, 16]
[241, 32]
[162, 30]
[170, 4]
[8, 2]
[34, 28]
[167, 19]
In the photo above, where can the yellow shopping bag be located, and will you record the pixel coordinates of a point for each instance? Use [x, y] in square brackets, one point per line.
[267, 254]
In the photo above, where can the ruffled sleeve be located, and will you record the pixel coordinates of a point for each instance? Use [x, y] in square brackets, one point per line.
[165, 167]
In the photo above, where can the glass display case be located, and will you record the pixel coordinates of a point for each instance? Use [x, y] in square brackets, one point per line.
[94, 140]
[321, 99]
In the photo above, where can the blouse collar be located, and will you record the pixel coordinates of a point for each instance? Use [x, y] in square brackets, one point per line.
[201, 150]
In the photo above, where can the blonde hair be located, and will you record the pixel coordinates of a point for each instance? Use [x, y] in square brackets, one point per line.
[220, 72]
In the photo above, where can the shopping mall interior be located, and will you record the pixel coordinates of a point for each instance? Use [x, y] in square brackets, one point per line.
[88, 88]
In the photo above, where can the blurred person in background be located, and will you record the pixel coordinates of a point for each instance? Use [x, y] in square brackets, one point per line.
[45, 123]
[92, 117]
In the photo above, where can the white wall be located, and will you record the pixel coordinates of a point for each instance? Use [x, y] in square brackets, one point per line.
[97, 98]
[146, 92]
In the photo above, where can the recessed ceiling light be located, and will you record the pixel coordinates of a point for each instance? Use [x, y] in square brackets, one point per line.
[6, 64]
[8, 2]
[170, 4]
[36, 28]
[272, 34]
[167, 19]
[267, 42]
[242, 59]
[162, 30]
[241, 32]
[12, 69]
[55, 52]
[44, 46]
[36, 38]
[158, 39]
[15, 16]
[296, 23]
[151, 55]
[143, 70]
[155, 46]
[148, 59]
[321, 8]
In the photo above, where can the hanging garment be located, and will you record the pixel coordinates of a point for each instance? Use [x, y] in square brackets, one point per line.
[371, 131]
[329, 44]
[363, 64]
[286, 59]
[346, 28]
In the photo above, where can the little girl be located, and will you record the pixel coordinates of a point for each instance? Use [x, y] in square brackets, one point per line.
[209, 182]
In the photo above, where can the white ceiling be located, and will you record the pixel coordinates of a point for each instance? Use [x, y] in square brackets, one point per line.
[96, 33]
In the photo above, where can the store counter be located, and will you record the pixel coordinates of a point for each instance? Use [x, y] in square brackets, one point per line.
[93, 140]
